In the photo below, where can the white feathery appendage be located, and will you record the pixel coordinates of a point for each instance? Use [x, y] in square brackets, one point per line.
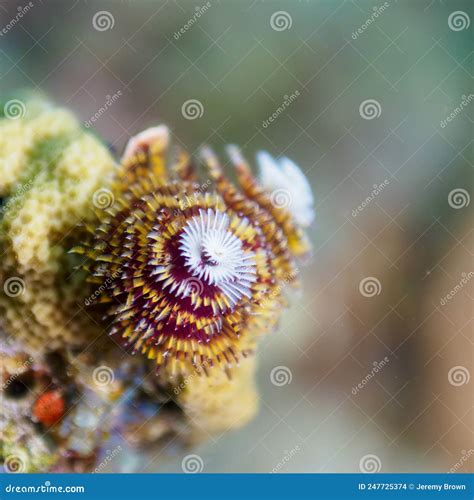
[216, 256]
[284, 174]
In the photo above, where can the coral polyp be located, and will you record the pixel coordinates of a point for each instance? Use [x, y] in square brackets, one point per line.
[171, 260]
[196, 275]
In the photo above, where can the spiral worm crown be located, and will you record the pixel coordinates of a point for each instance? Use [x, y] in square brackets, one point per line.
[198, 275]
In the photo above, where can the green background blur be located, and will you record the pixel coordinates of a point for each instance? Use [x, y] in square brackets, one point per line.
[409, 237]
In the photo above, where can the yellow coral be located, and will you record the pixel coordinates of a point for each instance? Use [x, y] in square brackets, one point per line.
[53, 175]
[18, 138]
[49, 171]
[216, 404]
